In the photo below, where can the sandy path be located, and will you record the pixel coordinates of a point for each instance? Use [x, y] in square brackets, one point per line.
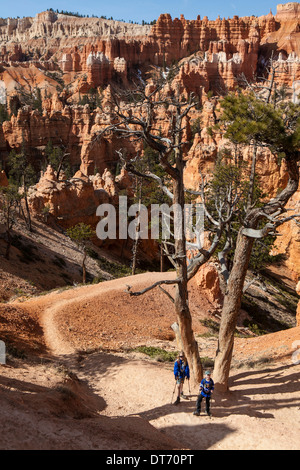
[256, 414]
[53, 338]
[262, 410]
[54, 305]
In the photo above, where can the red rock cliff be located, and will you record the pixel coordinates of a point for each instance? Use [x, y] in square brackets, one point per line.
[106, 49]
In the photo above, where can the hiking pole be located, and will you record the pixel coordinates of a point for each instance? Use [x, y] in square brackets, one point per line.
[173, 392]
[211, 401]
[189, 386]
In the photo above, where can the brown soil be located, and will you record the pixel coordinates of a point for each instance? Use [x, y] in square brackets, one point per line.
[42, 260]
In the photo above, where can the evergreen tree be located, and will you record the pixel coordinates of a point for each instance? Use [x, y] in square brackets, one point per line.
[81, 234]
[251, 121]
[22, 175]
[37, 100]
[58, 159]
[9, 201]
[4, 116]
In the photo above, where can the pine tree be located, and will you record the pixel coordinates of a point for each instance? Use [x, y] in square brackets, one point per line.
[23, 175]
[81, 234]
[249, 120]
[9, 199]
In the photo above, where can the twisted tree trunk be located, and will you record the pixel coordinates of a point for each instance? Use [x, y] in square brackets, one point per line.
[231, 310]
[184, 318]
[234, 291]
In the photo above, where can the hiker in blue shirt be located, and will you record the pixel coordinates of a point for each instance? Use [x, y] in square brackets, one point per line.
[205, 391]
[181, 372]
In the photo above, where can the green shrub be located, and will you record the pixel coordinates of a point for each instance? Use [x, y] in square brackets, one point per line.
[157, 353]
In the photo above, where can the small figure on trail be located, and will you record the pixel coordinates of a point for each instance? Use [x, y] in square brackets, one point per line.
[181, 371]
[205, 391]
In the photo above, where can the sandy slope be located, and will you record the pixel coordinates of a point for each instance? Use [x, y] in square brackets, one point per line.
[79, 399]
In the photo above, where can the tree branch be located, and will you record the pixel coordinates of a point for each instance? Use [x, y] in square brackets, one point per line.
[156, 284]
[167, 294]
[268, 228]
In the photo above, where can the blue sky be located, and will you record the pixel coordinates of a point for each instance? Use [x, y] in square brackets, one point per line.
[138, 10]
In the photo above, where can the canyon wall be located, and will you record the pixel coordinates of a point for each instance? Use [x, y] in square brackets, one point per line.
[67, 56]
[221, 49]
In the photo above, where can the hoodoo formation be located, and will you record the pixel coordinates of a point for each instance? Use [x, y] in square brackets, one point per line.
[75, 67]
[74, 91]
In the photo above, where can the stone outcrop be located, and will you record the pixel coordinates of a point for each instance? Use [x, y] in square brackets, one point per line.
[230, 47]
[76, 199]
[288, 243]
[3, 179]
[105, 49]
[287, 11]
[284, 43]
[75, 127]
[207, 279]
[59, 26]
[92, 53]
[298, 308]
[227, 44]
[69, 201]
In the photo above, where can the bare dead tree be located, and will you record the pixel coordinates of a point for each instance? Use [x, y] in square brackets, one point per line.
[265, 87]
[136, 238]
[136, 120]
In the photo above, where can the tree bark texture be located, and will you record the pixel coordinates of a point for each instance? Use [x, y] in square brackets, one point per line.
[234, 291]
[84, 268]
[182, 310]
[231, 309]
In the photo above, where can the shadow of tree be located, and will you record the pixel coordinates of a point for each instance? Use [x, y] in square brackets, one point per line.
[107, 366]
[248, 387]
[65, 397]
[66, 416]
[208, 434]
[255, 393]
[242, 399]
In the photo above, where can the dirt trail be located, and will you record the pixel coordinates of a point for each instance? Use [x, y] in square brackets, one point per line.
[54, 340]
[56, 306]
[256, 414]
[133, 395]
